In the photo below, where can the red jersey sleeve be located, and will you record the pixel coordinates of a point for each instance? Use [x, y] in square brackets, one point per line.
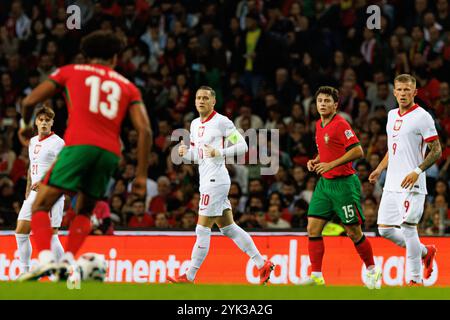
[60, 75]
[348, 136]
[135, 95]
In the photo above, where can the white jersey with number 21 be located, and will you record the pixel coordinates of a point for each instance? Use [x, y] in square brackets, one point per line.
[42, 153]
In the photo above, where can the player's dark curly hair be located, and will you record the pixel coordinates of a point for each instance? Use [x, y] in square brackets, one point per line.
[333, 92]
[101, 45]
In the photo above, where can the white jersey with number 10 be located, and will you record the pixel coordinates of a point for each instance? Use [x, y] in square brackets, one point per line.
[212, 131]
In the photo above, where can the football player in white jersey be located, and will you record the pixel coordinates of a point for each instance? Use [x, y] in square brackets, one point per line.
[43, 150]
[410, 129]
[209, 135]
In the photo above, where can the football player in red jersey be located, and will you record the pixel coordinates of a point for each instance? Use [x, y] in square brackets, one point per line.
[97, 99]
[338, 190]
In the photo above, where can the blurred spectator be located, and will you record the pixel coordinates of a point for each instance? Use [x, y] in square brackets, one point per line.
[370, 224]
[189, 220]
[161, 221]
[7, 156]
[140, 218]
[8, 215]
[117, 216]
[102, 217]
[160, 201]
[299, 216]
[245, 112]
[383, 97]
[18, 23]
[274, 219]
[309, 189]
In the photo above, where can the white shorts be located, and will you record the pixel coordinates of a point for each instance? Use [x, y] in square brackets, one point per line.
[398, 207]
[56, 213]
[213, 200]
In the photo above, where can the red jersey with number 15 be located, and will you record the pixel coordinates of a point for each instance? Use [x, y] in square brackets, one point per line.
[97, 99]
[333, 141]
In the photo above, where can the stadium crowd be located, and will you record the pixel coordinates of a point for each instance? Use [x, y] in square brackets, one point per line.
[265, 59]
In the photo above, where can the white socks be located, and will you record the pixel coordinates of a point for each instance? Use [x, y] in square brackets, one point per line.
[57, 247]
[397, 236]
[244, 242]
[200, 250]
[234, 232]
[413, 252]
[25, 250]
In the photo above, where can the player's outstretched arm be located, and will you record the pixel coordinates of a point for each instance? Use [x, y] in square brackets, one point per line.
[381, 166]
[141, 123]
[354, 153]
[39, 94]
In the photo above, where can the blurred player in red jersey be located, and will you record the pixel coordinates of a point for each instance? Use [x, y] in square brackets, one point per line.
[338, 190]
[98, 99]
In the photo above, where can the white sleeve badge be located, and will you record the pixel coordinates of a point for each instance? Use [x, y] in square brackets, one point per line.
[348, 134]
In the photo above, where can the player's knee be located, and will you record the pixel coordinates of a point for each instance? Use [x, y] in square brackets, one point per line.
[391, 233]
[409, 231]
[203, 236]
[23, 228]
[229, 230]
[313, 231]
[354, 236]
[354, 233]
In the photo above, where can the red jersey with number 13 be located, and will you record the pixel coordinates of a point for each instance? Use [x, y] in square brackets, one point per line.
[97, 99]
[333, 141]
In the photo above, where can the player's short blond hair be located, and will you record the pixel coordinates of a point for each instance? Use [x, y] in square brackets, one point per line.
[405, 78]
[211, 90]
[45, 111]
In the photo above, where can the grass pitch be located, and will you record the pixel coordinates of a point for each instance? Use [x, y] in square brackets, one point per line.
[123, 291]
